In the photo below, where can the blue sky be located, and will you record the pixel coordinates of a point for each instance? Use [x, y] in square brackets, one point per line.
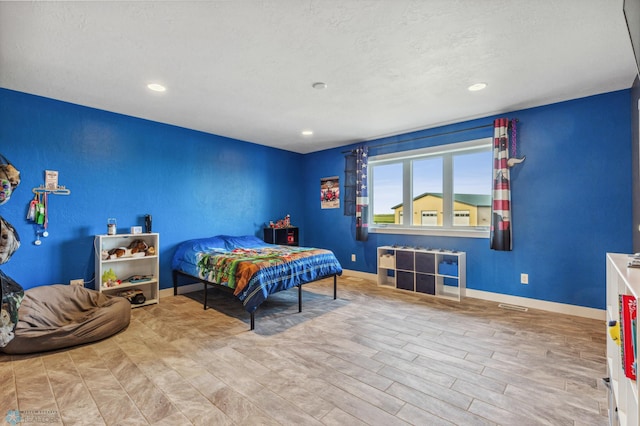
[472, 175]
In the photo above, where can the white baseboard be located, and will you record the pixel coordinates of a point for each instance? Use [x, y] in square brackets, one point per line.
[561, 308]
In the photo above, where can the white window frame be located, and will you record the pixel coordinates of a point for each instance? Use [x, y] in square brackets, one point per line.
[446, 152]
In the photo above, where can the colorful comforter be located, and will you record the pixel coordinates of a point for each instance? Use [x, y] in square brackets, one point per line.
[251, 267]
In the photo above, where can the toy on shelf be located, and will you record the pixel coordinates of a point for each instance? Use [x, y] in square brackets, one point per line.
[138, 248]
[110, 279]
[282, 223]
[614, 331]
[135, 296]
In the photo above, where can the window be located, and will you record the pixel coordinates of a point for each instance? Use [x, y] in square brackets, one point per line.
[443, 190]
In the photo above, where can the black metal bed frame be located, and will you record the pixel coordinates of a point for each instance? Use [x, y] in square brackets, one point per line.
[206, 283]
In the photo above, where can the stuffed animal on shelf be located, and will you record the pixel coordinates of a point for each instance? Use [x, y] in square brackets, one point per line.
[138, 246]
[117, 252]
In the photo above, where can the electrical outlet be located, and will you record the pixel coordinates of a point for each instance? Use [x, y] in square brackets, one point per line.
[79, 282]
[524, 278]
[353, 257]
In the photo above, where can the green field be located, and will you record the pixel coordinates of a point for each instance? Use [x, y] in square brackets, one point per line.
[383, 218]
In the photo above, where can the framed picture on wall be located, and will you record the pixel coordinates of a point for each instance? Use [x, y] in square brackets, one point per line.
[51, 179]
[330, 192]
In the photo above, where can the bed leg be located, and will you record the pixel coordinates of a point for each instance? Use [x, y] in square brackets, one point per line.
[335, 287]
[299, 298]
[253, 320]
[175, 283]
[205, 296]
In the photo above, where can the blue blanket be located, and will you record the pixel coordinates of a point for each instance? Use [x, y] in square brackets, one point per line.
[251, 267]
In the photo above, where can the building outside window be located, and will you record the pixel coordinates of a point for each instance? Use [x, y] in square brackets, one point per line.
[443, 188]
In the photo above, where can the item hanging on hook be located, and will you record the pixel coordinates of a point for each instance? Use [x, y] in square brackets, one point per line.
[38, 211]
[46, 211]
[39, 219]
[40, 232]
[31, 213]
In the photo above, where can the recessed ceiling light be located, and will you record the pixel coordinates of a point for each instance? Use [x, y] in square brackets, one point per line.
[477, 86]
[319, 85]
[156, 87]
[307, 132]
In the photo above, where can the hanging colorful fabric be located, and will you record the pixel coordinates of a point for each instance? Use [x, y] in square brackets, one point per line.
[11, 295]
[5, 191]
[9, 241]
[362, 197]
[9, 179]
[501, 193]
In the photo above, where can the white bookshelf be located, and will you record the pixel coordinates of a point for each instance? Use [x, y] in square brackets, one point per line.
[623, 403]
[129, 265]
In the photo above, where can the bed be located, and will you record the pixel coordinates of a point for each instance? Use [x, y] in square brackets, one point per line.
[250, 268]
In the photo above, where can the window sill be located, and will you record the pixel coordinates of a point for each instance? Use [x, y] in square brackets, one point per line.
[460, 233]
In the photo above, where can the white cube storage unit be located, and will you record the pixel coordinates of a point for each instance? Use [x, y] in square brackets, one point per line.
[623, 401]
[436, 272]
[144, 265]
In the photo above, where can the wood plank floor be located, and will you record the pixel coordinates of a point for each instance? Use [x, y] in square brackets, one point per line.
[375, 356]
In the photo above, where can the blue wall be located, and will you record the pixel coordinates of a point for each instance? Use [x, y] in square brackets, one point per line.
[571, 197]
[193, 184]
[571, 202]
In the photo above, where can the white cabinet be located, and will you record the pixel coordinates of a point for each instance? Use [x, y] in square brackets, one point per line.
[136, 267]
[620, 280]
[435, 272]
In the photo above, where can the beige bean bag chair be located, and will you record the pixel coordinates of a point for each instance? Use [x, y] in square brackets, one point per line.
[59, 316]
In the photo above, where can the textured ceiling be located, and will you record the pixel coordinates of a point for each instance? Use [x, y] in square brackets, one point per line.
[244, 69]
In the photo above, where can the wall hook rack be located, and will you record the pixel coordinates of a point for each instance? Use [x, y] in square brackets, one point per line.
[60, 190]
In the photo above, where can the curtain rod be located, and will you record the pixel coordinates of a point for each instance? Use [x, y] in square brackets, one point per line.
[429, 136]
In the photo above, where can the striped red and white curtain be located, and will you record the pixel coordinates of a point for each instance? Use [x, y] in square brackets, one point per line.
[362, 194]
[501, 194]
